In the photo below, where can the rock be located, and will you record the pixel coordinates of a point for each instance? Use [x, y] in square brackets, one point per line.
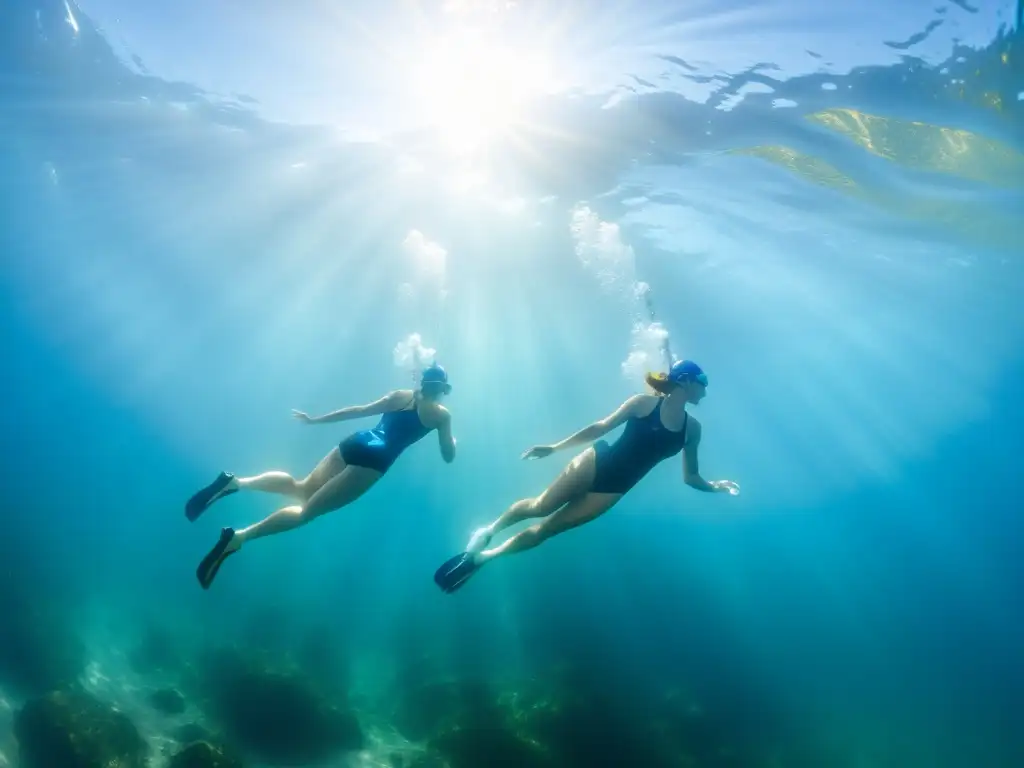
[186, 734]
[589, 730]
[427, 760]
[481, 726]
[279, 716]
[430, 707]
[71, 729]
[490, 745]
[203, 755]
[39, 652]
[168, 701]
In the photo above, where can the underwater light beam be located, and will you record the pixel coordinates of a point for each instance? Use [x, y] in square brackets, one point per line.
[474, 88]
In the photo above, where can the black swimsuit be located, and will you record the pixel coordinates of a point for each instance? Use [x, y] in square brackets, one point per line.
[378, 448]
[644, 443]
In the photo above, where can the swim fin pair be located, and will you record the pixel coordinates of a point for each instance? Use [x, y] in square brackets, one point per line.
[223, 485]
[455, 572]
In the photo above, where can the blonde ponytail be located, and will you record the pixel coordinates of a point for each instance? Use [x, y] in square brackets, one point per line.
[659, 383]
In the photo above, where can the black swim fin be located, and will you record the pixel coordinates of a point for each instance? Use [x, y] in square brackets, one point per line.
[456, 571]
[223, 485]
[214, 558]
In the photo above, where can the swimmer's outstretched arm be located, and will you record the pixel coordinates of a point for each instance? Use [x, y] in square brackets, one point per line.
[590, 432]
[691, 473]
[386, 403]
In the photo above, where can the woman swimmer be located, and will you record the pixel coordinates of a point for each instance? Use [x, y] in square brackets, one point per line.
[345, 474]
[657, 427]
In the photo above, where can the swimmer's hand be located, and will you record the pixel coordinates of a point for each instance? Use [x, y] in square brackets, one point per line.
[305, 418]
[538, 452]
[725, 486]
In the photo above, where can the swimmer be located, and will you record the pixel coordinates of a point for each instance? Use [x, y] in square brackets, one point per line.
[345, 474]
[657, 427]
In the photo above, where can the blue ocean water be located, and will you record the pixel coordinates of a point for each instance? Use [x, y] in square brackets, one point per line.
[217, 213]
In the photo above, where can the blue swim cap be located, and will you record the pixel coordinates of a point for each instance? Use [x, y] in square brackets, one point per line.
[687, 370]
[435, 374]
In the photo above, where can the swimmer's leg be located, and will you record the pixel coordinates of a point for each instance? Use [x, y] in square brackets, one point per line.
[572, 515]
[570, 485]
[337, 492]
[574, 480]
[582, 509]
[284, 484]
[269, 482]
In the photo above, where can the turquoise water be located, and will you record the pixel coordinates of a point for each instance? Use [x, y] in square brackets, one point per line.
[215, 215]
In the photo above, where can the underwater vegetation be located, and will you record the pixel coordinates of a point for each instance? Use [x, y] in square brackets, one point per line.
[227, 705]
[71, 728]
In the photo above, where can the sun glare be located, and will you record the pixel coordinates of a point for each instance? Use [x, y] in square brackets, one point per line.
[474, 89]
